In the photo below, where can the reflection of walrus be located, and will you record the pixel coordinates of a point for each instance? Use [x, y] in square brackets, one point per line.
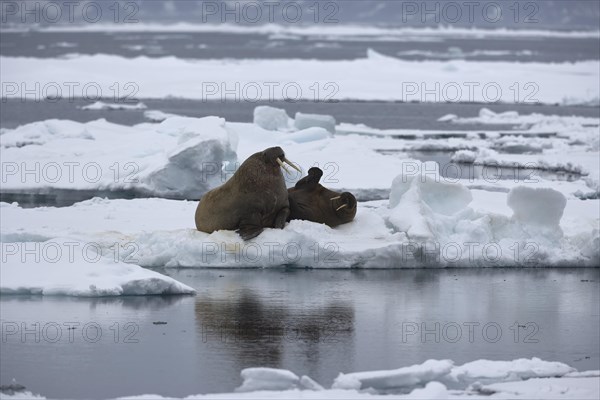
[254, 198]
[310, 201]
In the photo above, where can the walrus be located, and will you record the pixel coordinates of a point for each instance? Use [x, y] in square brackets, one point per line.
[311, 201]
[254, 198]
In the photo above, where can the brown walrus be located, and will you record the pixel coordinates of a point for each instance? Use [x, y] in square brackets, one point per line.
[311, 201]
[253, 199]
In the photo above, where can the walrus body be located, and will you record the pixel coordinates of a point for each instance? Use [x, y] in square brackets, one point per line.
[311, 201]
[253, 199]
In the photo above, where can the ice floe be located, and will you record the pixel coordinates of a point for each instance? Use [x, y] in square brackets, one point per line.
[433, 379]
[271, 118]
[158, 116]
[487, 116]
[169, 160]
[175, 158]
[274, 379]
[428, 226]
[325, 30]
[69, 267]
[411, 214]
[403, 378]
[304, 121]
[100, 105]
[373, 77]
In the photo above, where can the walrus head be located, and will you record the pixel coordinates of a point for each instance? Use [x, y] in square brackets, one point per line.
[311, 201]
[275, 157]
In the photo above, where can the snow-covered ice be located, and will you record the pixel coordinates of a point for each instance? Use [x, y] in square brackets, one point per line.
[321, 30]
[487, 371]
[65, 148]
[176, 158]
[572, 145]
[487, 116]
[402, 378]
[526, 204]
[100, 105]
[180, 157]
[563, 144]
[271, 118]
[308, 135]
[453, 377]
[304, 121]
[414, 233]
[158, 116]
[545, 389]
[373, 77]
[422, 219]
[69, 267]
[415, 201]
[267, 379]
[433, 379]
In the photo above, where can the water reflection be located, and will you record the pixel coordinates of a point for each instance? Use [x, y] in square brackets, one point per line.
[258, 332]
[150, 303]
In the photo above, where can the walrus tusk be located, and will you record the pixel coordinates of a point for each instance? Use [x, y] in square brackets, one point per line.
[340, 207]
[335, 198]
[282, 165]
[285, 160]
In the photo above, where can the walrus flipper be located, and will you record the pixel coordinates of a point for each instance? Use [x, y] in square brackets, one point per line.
[249, 229]
[310, 181]
[281, 218]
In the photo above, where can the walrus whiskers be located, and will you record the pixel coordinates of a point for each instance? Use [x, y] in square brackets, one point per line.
[340, 207]
[335, 198]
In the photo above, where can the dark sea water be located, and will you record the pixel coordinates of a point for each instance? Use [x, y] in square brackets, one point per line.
[313, 322]
[207, 45]
[376, 114]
